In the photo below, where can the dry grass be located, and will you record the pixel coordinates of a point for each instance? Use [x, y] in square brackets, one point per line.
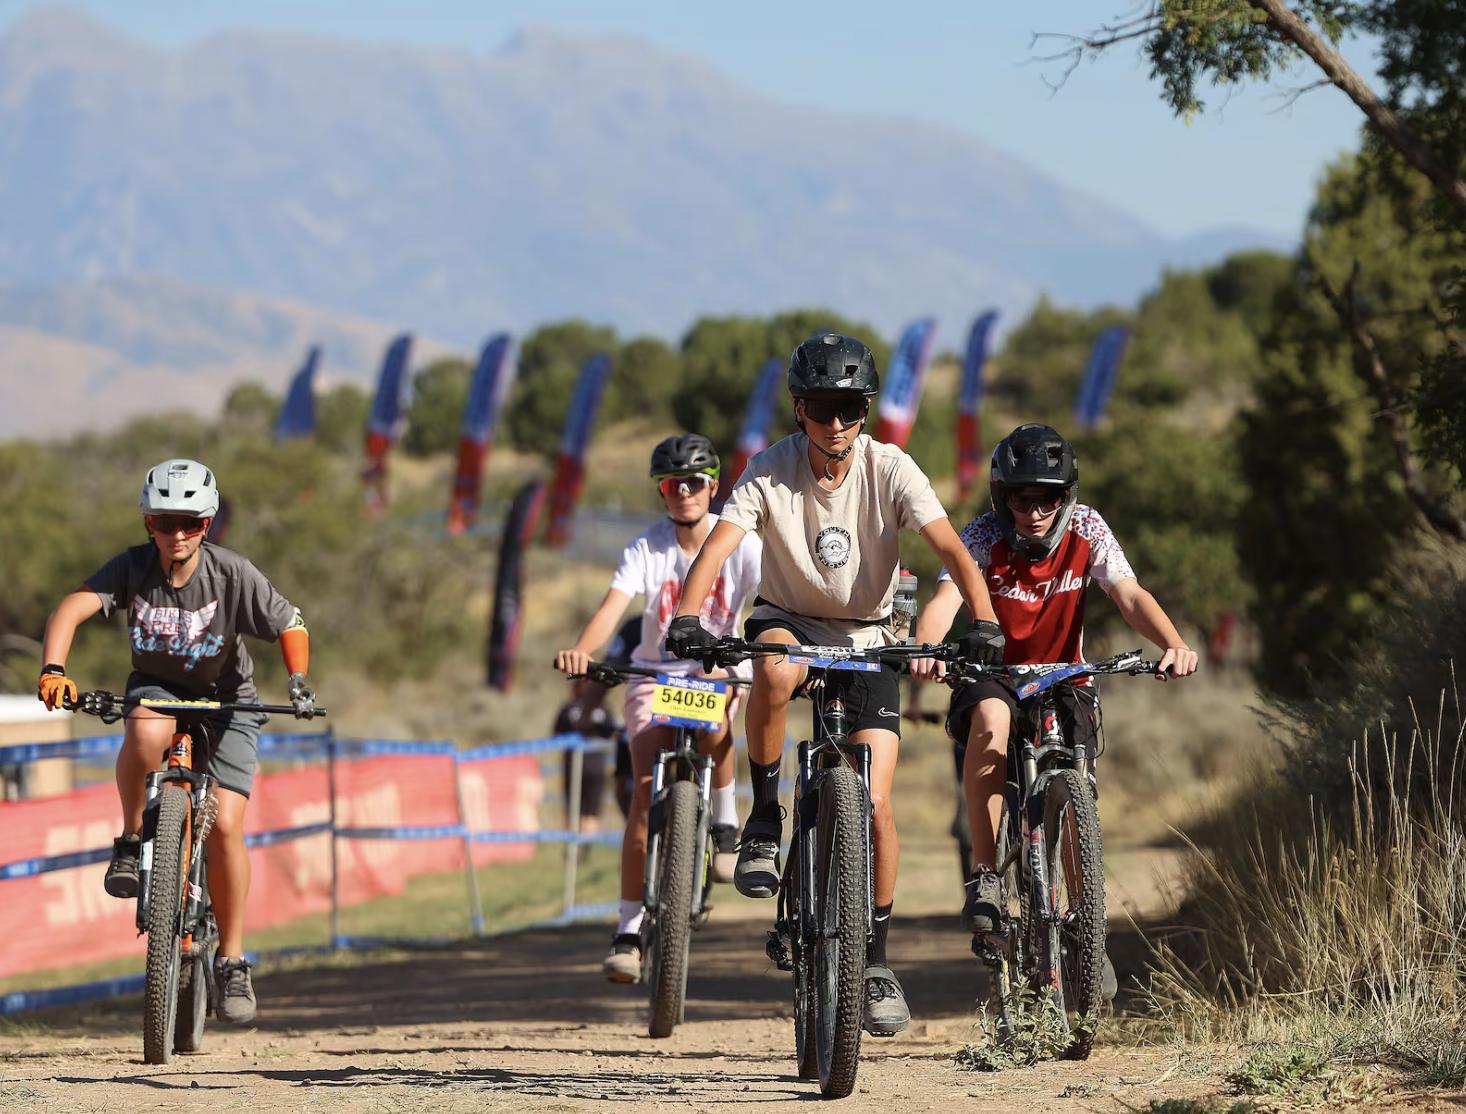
[1348, 939]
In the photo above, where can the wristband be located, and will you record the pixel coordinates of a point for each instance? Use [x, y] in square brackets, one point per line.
[53, 669]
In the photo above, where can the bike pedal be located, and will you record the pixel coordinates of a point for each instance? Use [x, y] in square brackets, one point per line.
[988, 947]
[778, 951]
[702, 918]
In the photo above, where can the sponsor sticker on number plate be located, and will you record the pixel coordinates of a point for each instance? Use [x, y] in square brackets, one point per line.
[688, 701]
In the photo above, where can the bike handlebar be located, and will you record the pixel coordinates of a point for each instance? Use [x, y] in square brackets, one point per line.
[731, 651]
[603, 672]
[109, 707]
[1129, 663]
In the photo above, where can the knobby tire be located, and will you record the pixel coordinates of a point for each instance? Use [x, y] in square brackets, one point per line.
[674, 908]
[165, 911]
[839, 954]
[1082, 934]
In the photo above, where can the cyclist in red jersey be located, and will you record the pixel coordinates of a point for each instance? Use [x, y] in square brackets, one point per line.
[1038, 549]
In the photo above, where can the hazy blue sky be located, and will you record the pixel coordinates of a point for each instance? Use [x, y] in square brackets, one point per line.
[963, 63]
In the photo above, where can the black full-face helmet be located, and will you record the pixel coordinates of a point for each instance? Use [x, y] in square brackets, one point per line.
[832, 364]
[684, 455]
[1033, 455]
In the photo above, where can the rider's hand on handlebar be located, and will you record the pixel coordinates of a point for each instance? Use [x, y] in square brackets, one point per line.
[302, 697]
[55, 689]
[927, 669]
[983, 644]
[687, 638]
[1178, 661]
[572, 661]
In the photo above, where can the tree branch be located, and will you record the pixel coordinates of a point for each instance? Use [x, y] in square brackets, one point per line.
[1287, 24]
[1370, 367]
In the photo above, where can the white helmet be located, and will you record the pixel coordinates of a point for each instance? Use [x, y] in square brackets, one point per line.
[180, 487]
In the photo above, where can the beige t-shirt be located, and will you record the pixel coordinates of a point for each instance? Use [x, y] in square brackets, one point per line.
[832, 556]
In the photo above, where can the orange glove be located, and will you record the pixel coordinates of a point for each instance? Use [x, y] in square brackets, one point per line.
[56, 688]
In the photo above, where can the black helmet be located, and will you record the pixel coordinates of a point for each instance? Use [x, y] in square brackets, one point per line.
[829, 363]
[684, 455]
[1033, 455]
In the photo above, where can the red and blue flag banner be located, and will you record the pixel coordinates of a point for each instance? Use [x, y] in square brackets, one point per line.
[298, 414]
[969, 404]
[385, 421]
[753, 438]
[1099, 376]
[905, 376]
[570, 466]
[491, 381]
[508, 615]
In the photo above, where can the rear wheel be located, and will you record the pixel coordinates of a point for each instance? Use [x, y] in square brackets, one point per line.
[673, 929]
[1076, 943]
[193, 987]
[839, 950]
[165, 912]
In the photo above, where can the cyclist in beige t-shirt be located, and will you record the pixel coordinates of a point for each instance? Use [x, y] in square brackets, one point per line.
[829, 503]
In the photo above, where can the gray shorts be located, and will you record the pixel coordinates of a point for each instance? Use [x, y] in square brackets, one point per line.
[229, 740]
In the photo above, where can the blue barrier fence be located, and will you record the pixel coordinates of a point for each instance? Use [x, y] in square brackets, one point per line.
[334, 749]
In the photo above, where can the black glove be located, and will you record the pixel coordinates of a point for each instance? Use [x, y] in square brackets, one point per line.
[302, 697]
[983, 644]
[687, 638]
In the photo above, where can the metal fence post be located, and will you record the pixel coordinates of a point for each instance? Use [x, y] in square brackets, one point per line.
[572, 824]
[335, 868]
[475, 902]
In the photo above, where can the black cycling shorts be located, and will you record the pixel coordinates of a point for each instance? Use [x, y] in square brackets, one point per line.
[1078, 713]
[872, 700]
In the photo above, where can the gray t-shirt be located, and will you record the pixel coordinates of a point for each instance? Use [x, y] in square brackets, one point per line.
[190, 637]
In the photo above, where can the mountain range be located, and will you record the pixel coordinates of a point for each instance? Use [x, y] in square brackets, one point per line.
[227, 196]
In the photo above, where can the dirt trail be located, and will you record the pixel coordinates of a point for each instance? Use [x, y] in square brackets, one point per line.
[526, 1022]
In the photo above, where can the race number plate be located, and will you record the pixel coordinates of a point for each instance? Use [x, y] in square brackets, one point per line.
[694, 702]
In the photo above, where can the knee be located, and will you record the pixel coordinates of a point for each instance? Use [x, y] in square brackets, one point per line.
[228, 827]
[880, 805]
[777, 681]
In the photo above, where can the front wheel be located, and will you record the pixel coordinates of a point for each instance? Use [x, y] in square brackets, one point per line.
[1076, 936]
[806, 1032]
[673, 925]
[841, 912]
[165, 915]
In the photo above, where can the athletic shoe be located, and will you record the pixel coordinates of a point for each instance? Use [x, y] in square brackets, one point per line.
[234, 995]
[980, 914]
[757, 873]
[121, 878]
[886, 1013]
[623, 961]
[725, 851]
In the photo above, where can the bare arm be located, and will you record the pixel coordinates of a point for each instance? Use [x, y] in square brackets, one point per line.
[75, 609]
[1146, 617]
[706, 566]
[953, 554]
[932, 624]
[595, 634]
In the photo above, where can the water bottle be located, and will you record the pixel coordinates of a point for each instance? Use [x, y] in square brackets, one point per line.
[903, 606]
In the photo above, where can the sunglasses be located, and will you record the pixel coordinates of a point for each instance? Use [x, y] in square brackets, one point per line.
[1042, 504]
[173, 523]
[682, 486]
[823, 411]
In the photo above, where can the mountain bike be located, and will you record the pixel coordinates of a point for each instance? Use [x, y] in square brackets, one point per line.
[1050, 858]
[173, 906]
[678, 875]
[823, 920]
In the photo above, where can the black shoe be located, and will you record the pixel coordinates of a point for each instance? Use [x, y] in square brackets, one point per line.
[623, 961]
[886, 1012]
[234, 997]
[121, 878]
[757, 873]
[980, 914]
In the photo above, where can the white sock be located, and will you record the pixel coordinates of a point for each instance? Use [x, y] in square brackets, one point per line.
[725, 805]
[629, 922]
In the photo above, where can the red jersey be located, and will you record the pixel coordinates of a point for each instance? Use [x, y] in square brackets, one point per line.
[1040, 606]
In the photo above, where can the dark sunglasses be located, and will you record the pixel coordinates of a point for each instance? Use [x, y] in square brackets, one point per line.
[1042, 504]
[173, 523]
[674, 486]
[824, 411]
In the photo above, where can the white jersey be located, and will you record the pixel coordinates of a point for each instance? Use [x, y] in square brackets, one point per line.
[654, 566]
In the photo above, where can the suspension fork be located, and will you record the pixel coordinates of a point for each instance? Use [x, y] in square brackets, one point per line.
[703, 768]
[655, 813]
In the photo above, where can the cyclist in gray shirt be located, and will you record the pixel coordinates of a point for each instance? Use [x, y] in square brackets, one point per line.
[188, 604]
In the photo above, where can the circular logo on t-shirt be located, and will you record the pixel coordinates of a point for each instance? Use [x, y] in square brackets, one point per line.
[832, 546]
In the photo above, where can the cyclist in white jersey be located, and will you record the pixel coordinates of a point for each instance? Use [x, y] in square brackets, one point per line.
[686, 469]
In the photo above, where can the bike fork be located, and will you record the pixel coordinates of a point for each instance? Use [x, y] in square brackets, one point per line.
[145, 851]
[704, 821]
[649, 892]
